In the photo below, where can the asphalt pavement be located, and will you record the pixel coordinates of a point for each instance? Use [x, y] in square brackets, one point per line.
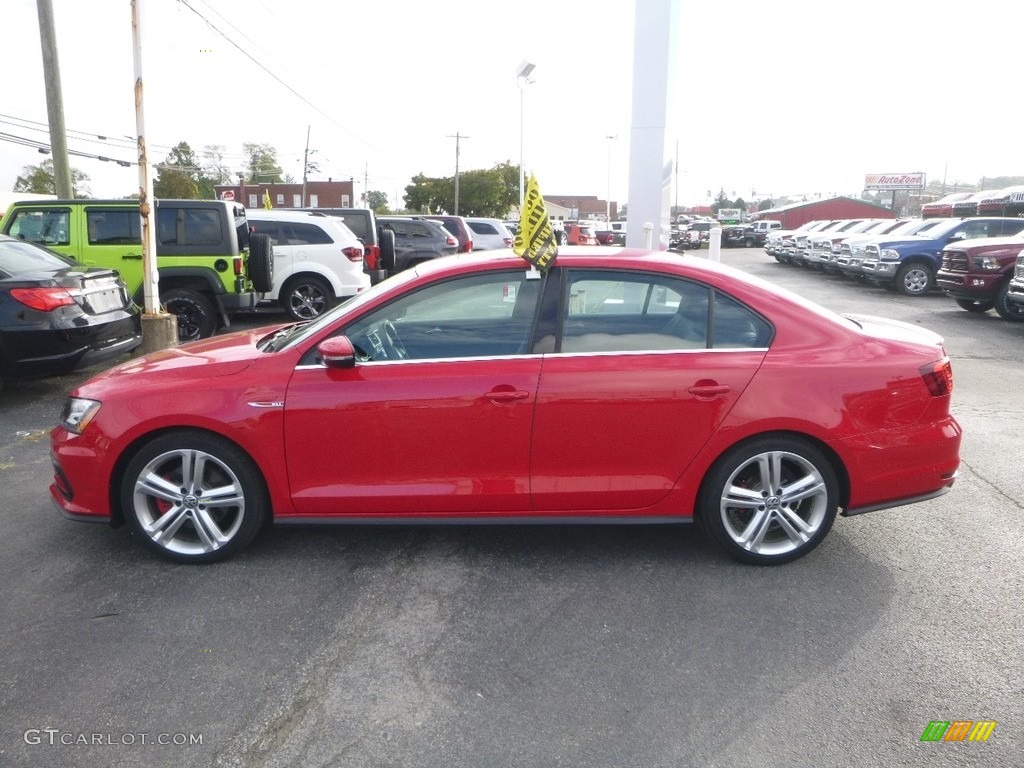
[531, 646]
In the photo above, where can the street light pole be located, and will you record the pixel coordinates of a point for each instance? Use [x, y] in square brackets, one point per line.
[608, 198]
[522, 78]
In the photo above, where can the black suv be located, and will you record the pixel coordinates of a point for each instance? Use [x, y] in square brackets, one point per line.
[418, 240]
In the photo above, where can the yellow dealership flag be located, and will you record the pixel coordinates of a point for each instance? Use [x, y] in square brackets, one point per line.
[266, 199]
[535, 240]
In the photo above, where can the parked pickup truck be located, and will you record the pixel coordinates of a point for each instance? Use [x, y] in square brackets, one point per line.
[1016, 289]
[977, 273]
[909, 263]
[757, 232]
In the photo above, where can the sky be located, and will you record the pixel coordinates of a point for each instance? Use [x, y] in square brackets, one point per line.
[769, 98]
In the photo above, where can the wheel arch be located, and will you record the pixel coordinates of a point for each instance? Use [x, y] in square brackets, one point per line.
[117, 518]
[837, 463]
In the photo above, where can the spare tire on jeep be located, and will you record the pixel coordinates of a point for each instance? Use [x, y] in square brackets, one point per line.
[261, 262]
[386, 238]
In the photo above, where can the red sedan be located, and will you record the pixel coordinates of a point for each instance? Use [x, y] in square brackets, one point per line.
[619, 386]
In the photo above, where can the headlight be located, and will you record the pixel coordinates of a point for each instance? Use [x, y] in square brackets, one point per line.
[889, 255]
[77, 413]
[986, 264]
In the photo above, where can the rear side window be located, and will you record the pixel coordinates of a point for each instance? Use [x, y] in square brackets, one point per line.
[418, 230]
[48, 226]
[188, 226]
[482, 228]
[114, 227]
[270, 228]
[306, 234]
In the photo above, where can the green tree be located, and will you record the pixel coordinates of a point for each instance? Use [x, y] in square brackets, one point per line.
[38, 180]
[177, 177]
[491, 192]
[765, 205]
[263, 164]
[378, 201]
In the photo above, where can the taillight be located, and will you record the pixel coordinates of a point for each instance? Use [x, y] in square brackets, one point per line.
[353, 254]
[469, 246]
[372, 257]
[508, 242]
[43, 299]
[452, 241]
[938, 377]
[239, 266]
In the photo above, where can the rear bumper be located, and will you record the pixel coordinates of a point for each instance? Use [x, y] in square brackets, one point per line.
[890, 469]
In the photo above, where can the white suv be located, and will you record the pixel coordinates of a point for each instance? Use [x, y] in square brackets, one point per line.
[317, 260]
[489, 234]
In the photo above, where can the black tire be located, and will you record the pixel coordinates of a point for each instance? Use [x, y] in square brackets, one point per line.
[914, 279]
[749, 242]
[306, 296]
[790, 522]
[1008, 310]
[261, 262]
[197, 316]
[176, 517]
[386, 237]
[975, 306]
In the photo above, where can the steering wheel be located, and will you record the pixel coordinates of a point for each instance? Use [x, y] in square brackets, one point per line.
[394, 349]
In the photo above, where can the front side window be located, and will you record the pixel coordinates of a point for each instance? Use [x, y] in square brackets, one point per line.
[481, 315]
[47, 226]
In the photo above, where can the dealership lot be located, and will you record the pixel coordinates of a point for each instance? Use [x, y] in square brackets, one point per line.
[533, 645]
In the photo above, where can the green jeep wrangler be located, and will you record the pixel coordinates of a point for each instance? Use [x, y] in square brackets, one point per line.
[210, 266]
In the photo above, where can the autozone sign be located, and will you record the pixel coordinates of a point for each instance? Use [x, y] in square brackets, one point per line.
[894, 181]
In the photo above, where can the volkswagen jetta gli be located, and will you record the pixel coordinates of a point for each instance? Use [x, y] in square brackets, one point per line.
[619, 386]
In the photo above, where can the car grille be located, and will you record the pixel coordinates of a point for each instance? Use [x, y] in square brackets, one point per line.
[1018, 271]
[954, 261]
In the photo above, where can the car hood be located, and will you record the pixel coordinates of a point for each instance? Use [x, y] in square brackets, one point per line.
[886, 242]
[217, 356]
[896, 330]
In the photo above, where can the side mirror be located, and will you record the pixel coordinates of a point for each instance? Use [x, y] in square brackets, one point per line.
[337, 352]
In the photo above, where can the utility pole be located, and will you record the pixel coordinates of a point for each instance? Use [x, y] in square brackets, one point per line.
[457, 138]
[305, 167]
[54, 101]
[159, 328]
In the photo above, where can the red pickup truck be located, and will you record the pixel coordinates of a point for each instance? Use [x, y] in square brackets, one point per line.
[977, 273]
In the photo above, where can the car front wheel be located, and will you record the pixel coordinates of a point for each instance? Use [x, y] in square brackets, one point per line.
[193, 497]
[914, 279]
[1007, 309]
[770, 500]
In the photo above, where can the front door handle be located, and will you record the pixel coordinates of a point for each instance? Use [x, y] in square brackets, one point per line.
[506, 395]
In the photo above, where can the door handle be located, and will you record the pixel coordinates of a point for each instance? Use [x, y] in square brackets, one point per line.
[708, 390]
[507, 395]
[132, 256]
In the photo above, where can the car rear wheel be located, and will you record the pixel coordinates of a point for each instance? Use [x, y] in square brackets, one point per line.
[261, 262]
[193, 497]
[914, 279]
[975, 306]
[770, 500]
[306, 296]
[197, 317]
[1008, 310]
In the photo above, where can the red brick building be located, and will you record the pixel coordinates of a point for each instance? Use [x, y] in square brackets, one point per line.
[585, 206]
[319, 194]
[795, 214]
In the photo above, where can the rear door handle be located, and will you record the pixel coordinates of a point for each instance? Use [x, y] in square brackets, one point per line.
[708, 390]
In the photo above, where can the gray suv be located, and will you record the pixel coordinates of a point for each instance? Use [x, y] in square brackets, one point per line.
[418, 240]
